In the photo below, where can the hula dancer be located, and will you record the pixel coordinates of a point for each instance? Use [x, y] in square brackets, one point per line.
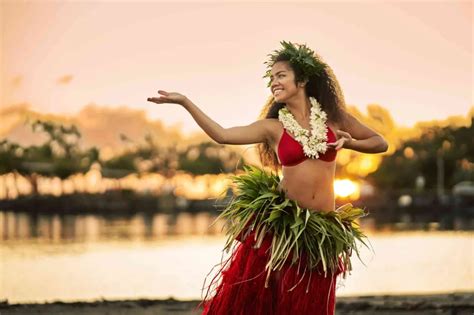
[289, 242]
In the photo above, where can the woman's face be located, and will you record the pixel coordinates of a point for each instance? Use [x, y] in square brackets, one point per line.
[282, 82]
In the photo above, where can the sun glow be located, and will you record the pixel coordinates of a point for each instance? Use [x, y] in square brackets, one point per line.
[345, 188]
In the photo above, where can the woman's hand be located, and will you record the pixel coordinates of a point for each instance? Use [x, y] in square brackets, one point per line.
[168, 97]
[343, 142]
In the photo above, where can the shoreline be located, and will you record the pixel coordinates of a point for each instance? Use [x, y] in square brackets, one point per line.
[448, 303]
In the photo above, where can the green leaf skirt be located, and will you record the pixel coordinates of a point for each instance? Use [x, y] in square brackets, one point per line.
[269, 234]
[259, 209]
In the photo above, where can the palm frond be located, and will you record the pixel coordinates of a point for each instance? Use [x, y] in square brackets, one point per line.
[259, 206]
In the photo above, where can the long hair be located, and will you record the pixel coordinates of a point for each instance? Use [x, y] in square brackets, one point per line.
[324, 87]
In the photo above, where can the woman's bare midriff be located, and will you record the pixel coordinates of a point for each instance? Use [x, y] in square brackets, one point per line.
[310, 184]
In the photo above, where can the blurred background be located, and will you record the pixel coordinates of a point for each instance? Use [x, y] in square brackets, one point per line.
[106, 195]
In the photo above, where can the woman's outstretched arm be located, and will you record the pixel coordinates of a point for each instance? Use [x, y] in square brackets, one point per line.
[256, 132]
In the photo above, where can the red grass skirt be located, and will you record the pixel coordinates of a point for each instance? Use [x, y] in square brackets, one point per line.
[241, 289]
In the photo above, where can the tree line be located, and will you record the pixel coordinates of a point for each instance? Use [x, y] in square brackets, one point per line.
[61, 155]
[446, 153]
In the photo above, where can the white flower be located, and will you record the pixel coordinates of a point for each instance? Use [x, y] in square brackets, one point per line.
[313, 141]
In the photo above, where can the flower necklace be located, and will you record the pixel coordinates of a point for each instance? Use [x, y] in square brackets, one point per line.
[313, 143]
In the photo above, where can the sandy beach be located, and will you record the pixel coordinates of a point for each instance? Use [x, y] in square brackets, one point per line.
[455, 303]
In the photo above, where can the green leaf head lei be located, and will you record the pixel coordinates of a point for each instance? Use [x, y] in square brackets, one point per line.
[299, 56]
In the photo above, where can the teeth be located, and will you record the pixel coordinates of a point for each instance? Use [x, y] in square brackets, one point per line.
[277, 91]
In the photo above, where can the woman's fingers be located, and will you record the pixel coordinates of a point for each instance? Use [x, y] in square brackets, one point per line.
[167, 97]
[157, 99]
[336, 145]
[333, 144]
[345, 134]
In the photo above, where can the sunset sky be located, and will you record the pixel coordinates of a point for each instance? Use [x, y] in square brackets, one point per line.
[414, 58]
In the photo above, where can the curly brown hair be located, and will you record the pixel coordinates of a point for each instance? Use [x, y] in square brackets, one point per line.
[324, 87]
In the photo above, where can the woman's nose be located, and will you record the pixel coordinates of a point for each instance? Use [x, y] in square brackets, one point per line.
[274, 84]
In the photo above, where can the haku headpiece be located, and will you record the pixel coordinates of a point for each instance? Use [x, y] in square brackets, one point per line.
[299, 55]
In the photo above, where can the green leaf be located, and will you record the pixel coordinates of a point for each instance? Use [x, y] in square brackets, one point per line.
[297, 222]
[323, 236]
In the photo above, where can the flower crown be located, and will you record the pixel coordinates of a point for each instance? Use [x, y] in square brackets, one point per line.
[301, 57]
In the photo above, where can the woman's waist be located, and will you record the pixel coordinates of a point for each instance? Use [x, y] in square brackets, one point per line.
[314, 196]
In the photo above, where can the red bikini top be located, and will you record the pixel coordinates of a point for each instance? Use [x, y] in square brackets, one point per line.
[290, 151]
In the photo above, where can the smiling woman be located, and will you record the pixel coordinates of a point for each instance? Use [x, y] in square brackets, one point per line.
[292, 242]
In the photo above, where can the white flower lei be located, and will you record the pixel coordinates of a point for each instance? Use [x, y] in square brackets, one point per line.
[315, 143]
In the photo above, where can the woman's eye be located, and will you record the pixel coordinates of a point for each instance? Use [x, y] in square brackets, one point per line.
[278, 75]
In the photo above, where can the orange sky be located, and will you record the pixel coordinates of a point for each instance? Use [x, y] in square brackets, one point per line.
[414, 58]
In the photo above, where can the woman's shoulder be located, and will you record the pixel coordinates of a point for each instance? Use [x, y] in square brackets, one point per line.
[340, 122]
[273, 126]
[273, 123]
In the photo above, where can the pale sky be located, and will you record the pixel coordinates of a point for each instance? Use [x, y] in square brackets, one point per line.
[414, 58]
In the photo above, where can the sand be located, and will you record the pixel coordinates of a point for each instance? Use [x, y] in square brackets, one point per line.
[455, 303]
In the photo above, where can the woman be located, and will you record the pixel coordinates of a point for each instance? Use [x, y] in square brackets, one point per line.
[292, 241]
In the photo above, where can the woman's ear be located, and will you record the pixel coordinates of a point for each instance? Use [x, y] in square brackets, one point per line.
[302, 84]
